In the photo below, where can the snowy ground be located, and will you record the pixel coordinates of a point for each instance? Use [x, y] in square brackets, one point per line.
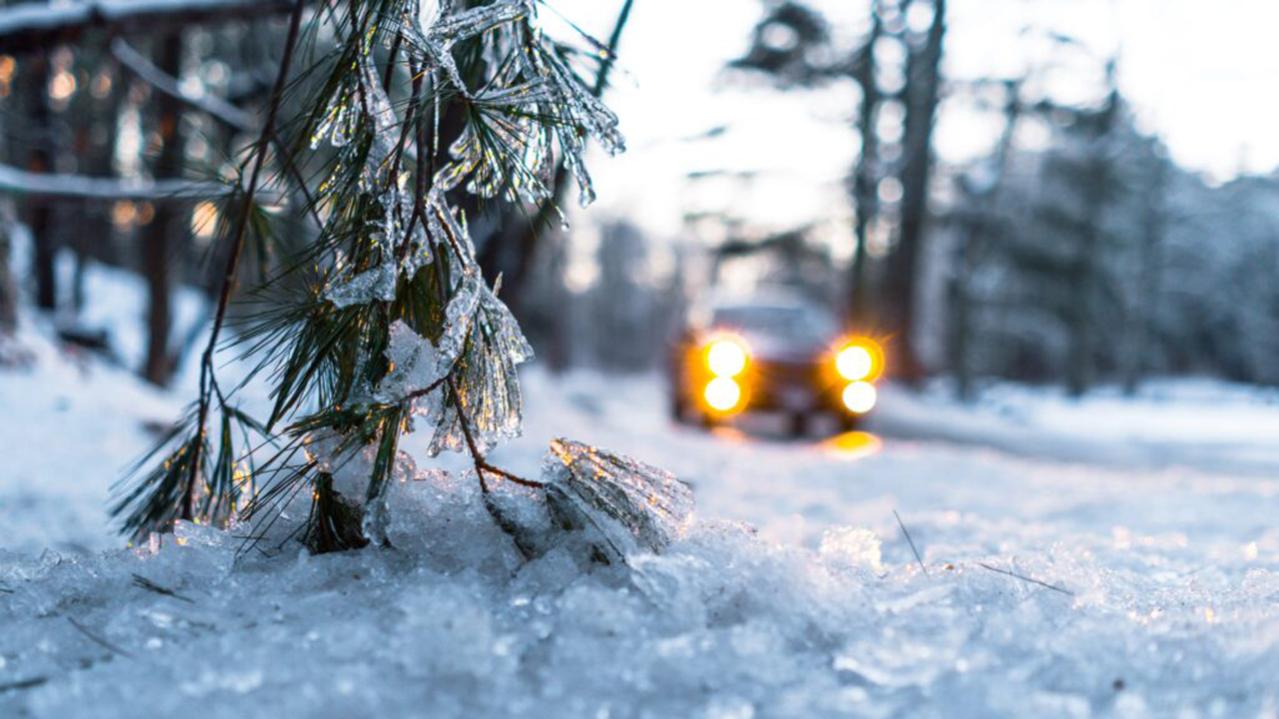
[1150, 523]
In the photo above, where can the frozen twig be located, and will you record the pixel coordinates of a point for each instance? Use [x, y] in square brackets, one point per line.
[1024, 578]
[477, 458]
[911, 542]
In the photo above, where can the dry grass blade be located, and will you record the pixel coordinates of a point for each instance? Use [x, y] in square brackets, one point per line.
[911, 542]
[93, 637]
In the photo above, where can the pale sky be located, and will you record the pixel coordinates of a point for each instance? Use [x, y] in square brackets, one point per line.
[1202, 74]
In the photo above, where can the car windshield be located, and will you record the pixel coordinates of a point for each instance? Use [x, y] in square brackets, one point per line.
[781, 321]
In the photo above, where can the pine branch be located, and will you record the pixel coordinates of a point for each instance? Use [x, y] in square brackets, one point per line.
[29, 26]
[207, 380]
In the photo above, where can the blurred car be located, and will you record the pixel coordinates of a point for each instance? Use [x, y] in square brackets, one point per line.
[774, 355]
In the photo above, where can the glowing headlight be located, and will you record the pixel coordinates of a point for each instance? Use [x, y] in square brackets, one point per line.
[859, 397]
[726, 358]
[722, 394]
[854, 362]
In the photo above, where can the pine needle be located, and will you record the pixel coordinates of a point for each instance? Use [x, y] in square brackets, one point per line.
[911, 542]
[1024, 578]
[28, 683]
[97, 639]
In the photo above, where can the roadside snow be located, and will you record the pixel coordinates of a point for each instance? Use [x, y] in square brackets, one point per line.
[69, 426]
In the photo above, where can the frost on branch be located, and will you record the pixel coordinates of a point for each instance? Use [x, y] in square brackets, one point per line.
[635, 507]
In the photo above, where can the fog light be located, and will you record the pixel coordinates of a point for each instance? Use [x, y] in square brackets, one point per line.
[859, 397]
[722, 394]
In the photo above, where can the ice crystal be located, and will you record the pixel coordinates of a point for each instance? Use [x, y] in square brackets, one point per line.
[635, 507]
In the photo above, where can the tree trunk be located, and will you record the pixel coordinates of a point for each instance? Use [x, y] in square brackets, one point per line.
[923, 72]
[40, 159]
[8, 290]
[170, 221]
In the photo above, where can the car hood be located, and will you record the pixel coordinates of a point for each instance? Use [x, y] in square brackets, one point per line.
[772, 348]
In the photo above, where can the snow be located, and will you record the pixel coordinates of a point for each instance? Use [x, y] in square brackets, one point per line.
[1076, 576]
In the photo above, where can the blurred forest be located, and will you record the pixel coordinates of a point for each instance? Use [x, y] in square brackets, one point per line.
[1075, 252]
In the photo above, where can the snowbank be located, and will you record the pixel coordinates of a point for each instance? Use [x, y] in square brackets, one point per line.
[70, 425]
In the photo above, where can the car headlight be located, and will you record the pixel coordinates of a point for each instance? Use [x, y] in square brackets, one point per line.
[726, 357]
[861, 359]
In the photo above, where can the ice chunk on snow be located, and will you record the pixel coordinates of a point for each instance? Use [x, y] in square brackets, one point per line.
[852, 547]
[634, 506]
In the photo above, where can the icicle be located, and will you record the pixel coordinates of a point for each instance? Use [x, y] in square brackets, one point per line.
[634, 506]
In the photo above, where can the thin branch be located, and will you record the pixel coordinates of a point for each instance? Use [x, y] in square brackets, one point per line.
[211, 105]
[477, 458]
[233, 257]
[35, 185]
[1024, 578]
[911, 542]
[37, 25]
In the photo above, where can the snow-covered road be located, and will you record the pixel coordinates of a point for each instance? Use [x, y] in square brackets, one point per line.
[1081, 574]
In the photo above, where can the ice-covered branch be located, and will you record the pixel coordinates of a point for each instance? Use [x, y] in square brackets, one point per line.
[16, 181]
[212, 105]
[34, 25]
